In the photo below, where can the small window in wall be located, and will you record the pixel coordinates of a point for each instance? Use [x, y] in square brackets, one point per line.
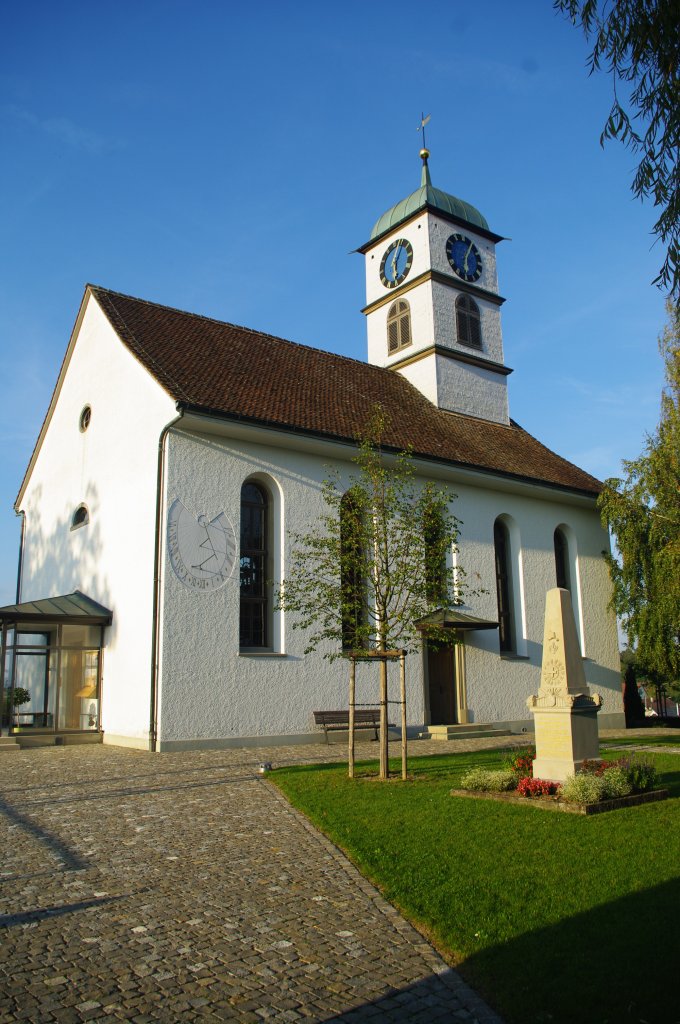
[561, 560]
[85, 417]
[81, 517]
[468, 322]
[506, 625]
[254, 558]
[398, 326]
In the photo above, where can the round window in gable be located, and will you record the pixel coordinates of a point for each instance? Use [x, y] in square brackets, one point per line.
[85, 417]
[81, 517]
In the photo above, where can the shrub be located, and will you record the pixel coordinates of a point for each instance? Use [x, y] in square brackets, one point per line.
[584, 788]
[642, 774]
[531, 787]
[489, 780]
[616, 782]
[521, 762]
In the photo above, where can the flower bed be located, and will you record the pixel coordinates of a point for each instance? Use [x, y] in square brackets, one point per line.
[599, 786]
[556, 803]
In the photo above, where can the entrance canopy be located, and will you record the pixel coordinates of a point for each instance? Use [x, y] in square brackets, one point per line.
[451, 618]
[51, 664]
[75, 608]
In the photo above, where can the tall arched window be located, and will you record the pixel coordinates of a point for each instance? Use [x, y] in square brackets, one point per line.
[562, 575]
[352, 572]
[468, 322]
[506, 618]
[254, 562]
[436, 544]
[398, 325]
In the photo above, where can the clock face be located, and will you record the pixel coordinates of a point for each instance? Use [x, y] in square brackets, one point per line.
[396, 263]
[464, 257]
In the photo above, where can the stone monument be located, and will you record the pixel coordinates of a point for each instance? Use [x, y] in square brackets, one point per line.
[565, 713]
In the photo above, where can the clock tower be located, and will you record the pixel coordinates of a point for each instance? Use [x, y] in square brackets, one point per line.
[433, 308]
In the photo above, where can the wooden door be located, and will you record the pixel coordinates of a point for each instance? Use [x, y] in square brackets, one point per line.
[441, 672]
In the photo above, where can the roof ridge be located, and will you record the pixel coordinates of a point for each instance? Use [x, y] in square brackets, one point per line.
[238, 327]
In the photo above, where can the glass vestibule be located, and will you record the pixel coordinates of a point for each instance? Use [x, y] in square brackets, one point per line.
[59, 670]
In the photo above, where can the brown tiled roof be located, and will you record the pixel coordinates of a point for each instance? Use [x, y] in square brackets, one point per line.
[236, 372]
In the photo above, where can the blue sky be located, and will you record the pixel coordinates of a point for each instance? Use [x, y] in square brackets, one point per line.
[227, 158]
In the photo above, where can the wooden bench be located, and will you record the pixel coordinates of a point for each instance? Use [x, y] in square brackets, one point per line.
[363, 719]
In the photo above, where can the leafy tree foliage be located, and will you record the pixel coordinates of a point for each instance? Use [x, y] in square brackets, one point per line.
[638, 41]
[379, 559]
[643, 512]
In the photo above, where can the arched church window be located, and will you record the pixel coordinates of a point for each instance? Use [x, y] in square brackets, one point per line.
[81, 517]
[254, 561]
[561, 560]
[398, 326]
[435, 541]
[352, 572]
[468, 322]
[506, 624]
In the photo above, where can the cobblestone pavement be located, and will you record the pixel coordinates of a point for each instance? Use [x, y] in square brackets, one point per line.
[182, 887]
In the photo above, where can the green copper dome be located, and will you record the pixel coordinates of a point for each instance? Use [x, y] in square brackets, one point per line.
[424, 196]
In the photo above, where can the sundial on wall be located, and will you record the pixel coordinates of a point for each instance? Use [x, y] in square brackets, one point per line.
[202, 551]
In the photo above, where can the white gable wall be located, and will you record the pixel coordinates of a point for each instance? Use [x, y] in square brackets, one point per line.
[112, 468]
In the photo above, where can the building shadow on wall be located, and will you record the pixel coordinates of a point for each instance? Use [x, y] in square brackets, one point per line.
[58, 559]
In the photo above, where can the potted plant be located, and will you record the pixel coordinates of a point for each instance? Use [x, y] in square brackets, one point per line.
[20, 697]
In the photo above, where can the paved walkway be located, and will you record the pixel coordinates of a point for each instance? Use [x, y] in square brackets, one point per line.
[182, 887]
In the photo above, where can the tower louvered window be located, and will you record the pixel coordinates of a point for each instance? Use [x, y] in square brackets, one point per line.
[468, 323]
[398, 325]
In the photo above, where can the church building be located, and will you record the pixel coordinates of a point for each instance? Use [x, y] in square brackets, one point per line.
[178, 455]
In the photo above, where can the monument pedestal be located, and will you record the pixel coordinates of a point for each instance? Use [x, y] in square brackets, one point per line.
[565, 713]
[565, 738]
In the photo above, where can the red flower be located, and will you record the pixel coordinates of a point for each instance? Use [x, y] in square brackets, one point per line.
[537, 787]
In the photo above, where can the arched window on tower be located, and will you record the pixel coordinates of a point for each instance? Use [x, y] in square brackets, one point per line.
[255, 626]
[504, 593]
[398, 326]
[468, 322]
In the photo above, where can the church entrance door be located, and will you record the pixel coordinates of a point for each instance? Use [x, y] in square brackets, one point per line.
[441, 672]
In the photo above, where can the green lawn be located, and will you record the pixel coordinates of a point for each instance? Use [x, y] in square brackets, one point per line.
[553, 918]
[671, 740]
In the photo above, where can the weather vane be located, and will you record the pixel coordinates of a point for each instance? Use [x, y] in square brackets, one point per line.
[421, 126]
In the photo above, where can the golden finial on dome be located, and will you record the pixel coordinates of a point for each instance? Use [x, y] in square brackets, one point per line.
[424, 154]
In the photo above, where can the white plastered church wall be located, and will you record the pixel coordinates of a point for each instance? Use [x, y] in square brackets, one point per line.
[209, 690]
[498, 686]
[111, 468]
